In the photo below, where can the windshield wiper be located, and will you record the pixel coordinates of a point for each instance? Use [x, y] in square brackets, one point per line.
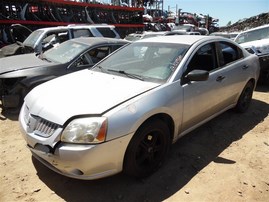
[134, 76]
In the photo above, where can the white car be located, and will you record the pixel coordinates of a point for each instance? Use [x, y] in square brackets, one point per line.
[124, 114]
[256, 41]
[43, 39]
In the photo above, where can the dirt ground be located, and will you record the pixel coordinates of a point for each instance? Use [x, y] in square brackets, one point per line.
[226, 159]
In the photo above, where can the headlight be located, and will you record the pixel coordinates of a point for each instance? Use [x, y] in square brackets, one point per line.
[85, 130]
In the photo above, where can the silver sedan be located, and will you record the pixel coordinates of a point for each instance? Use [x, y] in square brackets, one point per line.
[125, 113]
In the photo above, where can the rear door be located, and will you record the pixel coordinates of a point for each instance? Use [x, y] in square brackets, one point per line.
[232, 72]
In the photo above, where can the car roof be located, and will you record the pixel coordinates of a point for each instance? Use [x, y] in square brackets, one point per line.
[71, 26]
[180, 39]
[98, 40]
[52, 28]
[89, 26]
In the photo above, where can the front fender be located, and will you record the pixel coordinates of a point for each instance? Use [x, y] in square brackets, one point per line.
[129, 116]
[31, 82]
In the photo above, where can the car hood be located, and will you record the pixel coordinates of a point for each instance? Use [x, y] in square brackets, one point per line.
[261, 46]
[19, 62]
[80, 93]
[9, 49]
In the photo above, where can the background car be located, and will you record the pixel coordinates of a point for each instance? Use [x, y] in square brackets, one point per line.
[124, 113]
[148, 34]
[229, 35]
[145, 34]
[45, 38]
[256, 41]
[20, 73]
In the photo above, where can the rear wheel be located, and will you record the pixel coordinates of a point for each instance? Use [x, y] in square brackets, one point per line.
[147, 149]
[245, 98]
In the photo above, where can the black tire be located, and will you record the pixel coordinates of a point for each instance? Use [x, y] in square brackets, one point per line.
[147, 149]
[245, 98]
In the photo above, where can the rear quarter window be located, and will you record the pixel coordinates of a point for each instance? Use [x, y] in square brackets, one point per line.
[230, 53]
[106, 32]
[82, 33]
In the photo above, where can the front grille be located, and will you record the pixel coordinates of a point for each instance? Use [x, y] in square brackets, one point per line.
[45, 128]
[40, 126]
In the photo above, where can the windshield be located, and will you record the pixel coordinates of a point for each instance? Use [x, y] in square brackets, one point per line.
[153, 62]
[253, 35]
[32, 38]
[65, 52]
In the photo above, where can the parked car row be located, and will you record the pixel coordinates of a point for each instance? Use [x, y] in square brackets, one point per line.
[124, 113]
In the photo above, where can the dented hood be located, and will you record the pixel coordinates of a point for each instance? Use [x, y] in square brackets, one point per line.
[80, 93]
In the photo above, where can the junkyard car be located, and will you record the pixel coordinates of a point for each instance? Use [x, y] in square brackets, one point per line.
[147, 34]
[45, 38]
[123, 114]
[256, 41]
[229, 35]
[20, 73]
[142, 35]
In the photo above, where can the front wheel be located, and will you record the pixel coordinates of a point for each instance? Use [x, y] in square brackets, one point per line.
[147, 149]
[245, 98]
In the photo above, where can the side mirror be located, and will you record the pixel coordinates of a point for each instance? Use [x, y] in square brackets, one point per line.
[197, 75]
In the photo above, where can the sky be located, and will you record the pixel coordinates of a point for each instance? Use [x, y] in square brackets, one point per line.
[224, 10]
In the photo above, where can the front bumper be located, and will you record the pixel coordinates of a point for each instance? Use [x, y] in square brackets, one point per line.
[85, 162]
[80, 161]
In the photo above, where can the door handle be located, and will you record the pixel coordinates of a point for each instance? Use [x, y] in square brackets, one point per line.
[245, 66]
[220, 78]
